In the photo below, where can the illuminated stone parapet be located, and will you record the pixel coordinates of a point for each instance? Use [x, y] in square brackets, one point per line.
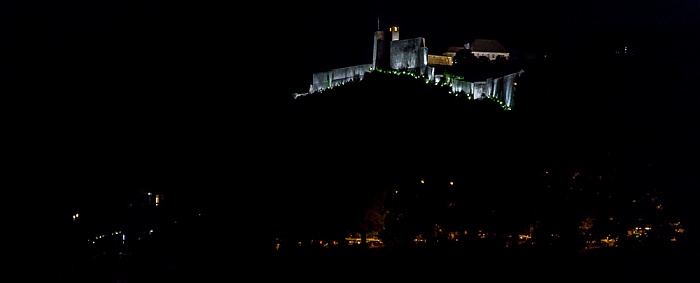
[504, 86]
[477, 90]
[409, 54]
[500, 88]
[423, 59]
[430, 73]
[336, 77]
[483, 89]
[348, 74]
[321, 81]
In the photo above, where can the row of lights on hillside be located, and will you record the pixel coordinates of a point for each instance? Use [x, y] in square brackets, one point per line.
[443, 84]
[422, 181]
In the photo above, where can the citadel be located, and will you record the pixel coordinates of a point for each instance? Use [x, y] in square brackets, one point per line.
[410, 56]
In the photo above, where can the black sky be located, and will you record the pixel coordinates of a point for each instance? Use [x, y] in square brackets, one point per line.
[318, 36]
[129, 90]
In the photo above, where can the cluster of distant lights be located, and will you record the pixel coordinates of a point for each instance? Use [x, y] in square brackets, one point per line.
[635, 233]
[99, 237]
[92, 240]
[115, 233]
[428, 81]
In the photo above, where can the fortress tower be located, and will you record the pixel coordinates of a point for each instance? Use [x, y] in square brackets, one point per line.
[394, 32]
[380, 52]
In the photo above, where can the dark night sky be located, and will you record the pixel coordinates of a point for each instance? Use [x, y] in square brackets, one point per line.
[116, 93]
[319, 32]
[168, 41]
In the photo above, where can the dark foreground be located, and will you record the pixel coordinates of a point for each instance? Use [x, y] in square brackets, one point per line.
[198, 247]
[192, 251]
[444, 262]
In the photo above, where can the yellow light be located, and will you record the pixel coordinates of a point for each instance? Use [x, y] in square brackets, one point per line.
[422, 181]
[515, 83]
[452, 183]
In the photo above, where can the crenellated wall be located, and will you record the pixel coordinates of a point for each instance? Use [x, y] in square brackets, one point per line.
[335, 77]
[409, 55]
[500, 88]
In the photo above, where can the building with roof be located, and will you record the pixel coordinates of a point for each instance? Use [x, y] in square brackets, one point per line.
[452, 51]
[488, 48]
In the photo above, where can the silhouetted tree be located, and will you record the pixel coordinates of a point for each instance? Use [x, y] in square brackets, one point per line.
[464, 58]
[373, 218]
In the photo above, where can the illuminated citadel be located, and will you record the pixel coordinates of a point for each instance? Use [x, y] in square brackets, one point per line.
[410, 56]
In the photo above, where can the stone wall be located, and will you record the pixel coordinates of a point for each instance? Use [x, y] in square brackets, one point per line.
[409, 55]
[500, 88]
[335, 77]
